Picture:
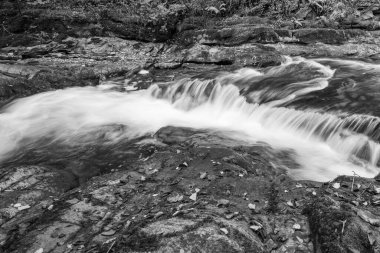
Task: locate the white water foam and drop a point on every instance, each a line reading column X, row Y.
column 325, row 145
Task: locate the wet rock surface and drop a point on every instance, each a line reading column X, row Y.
column 159, row 202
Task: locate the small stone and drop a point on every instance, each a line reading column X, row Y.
column 376, row 189
column 23, row 207
column 50, row 207
column 72, row 201
column 299, row 239
column 297, row 226
column 178, row 151
column 143, row 178
column 40, row 250
column 251, row 206
column 115, row 182
column 255, row 227
column 299, row 185
column 109, row 232
column 17, row 205
column 230, row 216
column 224, row 230
column 223, row 202
column 336, row 185
column 203, row 175
column 193, row 196
column 290, row 203
column 143, row 72
column 159, row 214
column 241, row 175
column 314, row 193
column 286, row 191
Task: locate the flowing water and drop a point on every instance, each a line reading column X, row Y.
column 325, row 111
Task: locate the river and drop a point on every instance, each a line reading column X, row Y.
column 324, row 112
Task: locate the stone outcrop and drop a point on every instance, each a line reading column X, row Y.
column 202, row 192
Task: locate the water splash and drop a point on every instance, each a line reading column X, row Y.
column 325, row 144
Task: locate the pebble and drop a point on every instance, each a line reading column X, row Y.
column 224, row 230
column 230, row 216
column 23, row 207
column 290, row 203
column 159, row 214
column 143, row 72
column 336, row 185
column 175, row 198
column 203, row 175
column 255, row 227
column 194, row 195
column 40, row 250
column 251, row 206
column 223, row 202
column 297, row 226
column 72, row 201
column 109, row 232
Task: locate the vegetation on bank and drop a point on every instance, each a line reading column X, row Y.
column 333, row 10
column 158, row 20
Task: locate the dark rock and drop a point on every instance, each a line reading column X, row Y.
column 230, row 36
column 327, row 36
column 251, row 55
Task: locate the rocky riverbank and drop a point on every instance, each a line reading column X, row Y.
column 185, row 191
column 180, row 190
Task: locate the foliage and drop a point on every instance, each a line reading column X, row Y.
column 334, row 10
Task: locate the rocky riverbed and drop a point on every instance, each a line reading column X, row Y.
column 180, row 190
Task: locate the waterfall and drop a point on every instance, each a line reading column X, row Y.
column 249, row 102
